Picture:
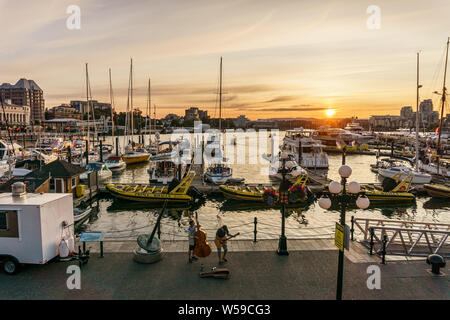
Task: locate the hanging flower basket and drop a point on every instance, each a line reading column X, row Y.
column 296, row 193
column 270, row 196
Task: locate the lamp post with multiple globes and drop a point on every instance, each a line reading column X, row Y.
column 343, row 195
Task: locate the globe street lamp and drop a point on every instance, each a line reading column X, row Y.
column 284, row 187
column 338, row 192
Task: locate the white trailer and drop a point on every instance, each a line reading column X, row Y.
column 32, row 226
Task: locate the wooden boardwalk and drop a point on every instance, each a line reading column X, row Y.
column 357, row 253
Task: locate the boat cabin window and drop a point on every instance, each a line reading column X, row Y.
column 73, row 182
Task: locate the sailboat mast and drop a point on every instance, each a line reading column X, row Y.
column 220, row 97
column 131, row 101
column 417, row 115
column 154, row 117
column 149, row 111
column 87, row 102
column 444, row 93
column 111, row 98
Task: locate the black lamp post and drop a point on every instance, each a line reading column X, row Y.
column 340, row 195
column 284, row 187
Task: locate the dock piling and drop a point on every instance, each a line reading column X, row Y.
column 383, row 251
column 372, row 234
column 255, row 222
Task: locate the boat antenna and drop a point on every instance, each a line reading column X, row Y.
column 444, row 94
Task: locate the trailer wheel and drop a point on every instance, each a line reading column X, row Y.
column 11, row 265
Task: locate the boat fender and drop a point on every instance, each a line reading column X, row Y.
column 71, row 244
column 63, row 249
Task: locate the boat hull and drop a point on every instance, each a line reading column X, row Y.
column 217, row 178
column 417, row 179
column 135, row 159
column 148, row 197
column 437, row 191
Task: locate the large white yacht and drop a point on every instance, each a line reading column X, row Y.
column 307, row 152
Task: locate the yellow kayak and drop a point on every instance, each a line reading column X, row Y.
column 135, row 157
column 255, row 193
column 149, row 193
column 437, row 190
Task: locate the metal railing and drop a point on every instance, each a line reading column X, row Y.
column 403, row 237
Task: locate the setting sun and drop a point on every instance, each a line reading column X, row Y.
column 330, row 112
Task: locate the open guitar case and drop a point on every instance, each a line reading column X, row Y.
column 218, row 273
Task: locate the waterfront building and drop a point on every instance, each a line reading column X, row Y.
column 25, row 93
column 63, row 111
column 64, row 176
column 14, row 114
column 195, row 113
column 82, row 106
column 406, row 112
column 241, row 121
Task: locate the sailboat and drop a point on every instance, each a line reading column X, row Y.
column 439, row 169
column 152, row 146
column 114, row 162
column 440, row 190
column 403, row 171
column 218, row 172
column 133, row 156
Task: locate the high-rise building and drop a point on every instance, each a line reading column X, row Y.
column 426, row 106
column 25, row 93
column 406, row 112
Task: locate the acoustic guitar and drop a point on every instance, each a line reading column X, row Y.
column 202, row 248
column 220, row 242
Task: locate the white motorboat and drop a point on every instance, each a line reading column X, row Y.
column 81, row 214
column 102, row 169
column 218, row 174
column 292, row 168
column 401, row 172
column 431, row 168
column 163, row 171
column 115, row 163
column 307, row 152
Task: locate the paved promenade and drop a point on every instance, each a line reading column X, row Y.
column 309, row 272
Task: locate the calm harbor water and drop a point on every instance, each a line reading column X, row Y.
column 124, row 220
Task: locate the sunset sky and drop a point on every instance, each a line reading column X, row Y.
column 281, row 58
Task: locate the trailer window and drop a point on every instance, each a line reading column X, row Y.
column 3, row 221
column 9, row 224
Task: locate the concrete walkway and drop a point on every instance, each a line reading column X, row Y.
column 257, row 274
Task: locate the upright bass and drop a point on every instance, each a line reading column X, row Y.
column 202, row 248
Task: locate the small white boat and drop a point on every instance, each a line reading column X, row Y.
column 163, row 171
column 115, row 163
column 402, row 172
column 80, row 214
column 102, row 169
column 218, row 174
column 292, row 168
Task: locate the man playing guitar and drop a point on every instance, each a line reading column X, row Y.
column 222, row 235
